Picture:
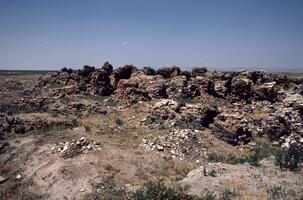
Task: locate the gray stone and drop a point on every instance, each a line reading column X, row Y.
column 3, row 179
column 3, row 144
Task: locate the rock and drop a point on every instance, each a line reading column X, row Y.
column 240, row 136
column 18, row 177
column 77, row 105
column 107, row 68
column 122, row 84
column 3, row 144
column 74, row 147
column 100, row 76
column 128, row 91
column 181, row 144
column 66, row 70
column 199, row 71
column 221, row 88
column 283, row 121
column 178, row 81
column 157, row 89
column 241, row 87
column 165, row 102
column 169, row 113
column 134, row 95
column 19, row 126
column 293, row 100
column 266, row 91
column 169, row 72
column 123, row 72
column 187, row 74
column 201, row 85
column 86, row 71
column 148, row 71
column 3, row 179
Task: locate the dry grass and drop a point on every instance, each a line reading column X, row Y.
column 29, row 77
column 260, row 116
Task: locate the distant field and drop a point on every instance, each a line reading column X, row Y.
column 23, row 72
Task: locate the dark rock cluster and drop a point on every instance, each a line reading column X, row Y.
column 236, row 106
column 169, row 82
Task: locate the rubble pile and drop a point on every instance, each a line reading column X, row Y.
column 130, row 85
column 169, row 113
column 235, row 106
column 87, row 80
column 239, row 135
column 77, row 108
column 293, row 139
column 37, row 103
column 75, row 147
column 3, row 145
column 19, row 125
column 282, row 121
column 128, row 91
column 179, row 144
column 169, row 72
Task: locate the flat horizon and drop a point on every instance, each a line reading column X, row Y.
column 285, row 69
column 233, row 34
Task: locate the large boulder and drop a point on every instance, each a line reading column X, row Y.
column 148, row 71
column 187, row 74
column 220, row 88
column 124, row 72
column 157, row 89
column 266, row 91
column 107, row 68
column 169, row 72
column 258, row 77
column 241, row 135
column 293, row 100
column 125, row 83
column 199, row 71
column 169, row 113
column 100, row 76
column 204, row 85
column 241, row 87
column 86, row 71
column 66, row 70
column 128, row 92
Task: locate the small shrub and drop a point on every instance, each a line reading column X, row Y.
column 259, row 154
column 15, row 189
column 157, row 190
column 207, row 195
column 111, row 103
column 87, row 128
column 279, row 193
column 254, row 159
column 107, row 190
column 190, row 101
column 289, row 158
column 119, row 122
column 228, row 158
column 212, row 173
column 228, row 194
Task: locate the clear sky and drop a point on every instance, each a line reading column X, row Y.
column 219, row 34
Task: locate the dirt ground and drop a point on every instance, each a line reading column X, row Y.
column 121, row 159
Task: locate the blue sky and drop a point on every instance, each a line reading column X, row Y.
column 219, row 34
